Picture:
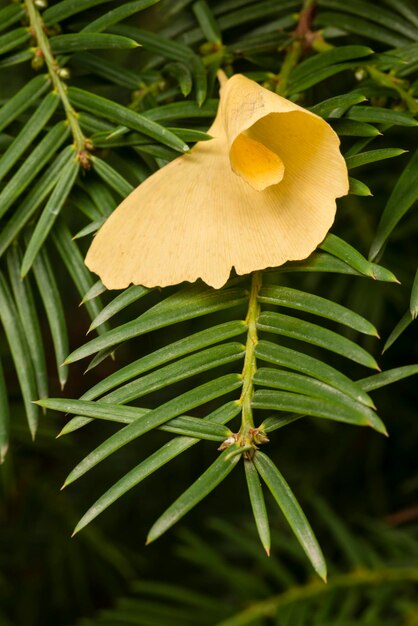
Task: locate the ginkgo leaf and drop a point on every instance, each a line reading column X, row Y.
column 248, row 199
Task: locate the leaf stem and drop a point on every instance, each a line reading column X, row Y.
column 303, row 37
column 36, row 23
column 250, row 365
column 358, row 578
column 391, row 81
column 290, row 61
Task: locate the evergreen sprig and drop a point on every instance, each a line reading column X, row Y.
column 86, row 127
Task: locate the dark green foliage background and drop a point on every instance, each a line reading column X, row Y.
column 358, row 489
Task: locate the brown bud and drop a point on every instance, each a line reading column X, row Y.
column 259, row 436
column 84, row 159
column 228, row 442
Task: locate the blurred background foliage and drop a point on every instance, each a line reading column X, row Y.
column 358, row 488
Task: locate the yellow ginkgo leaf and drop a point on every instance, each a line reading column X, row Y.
column 260, row 193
